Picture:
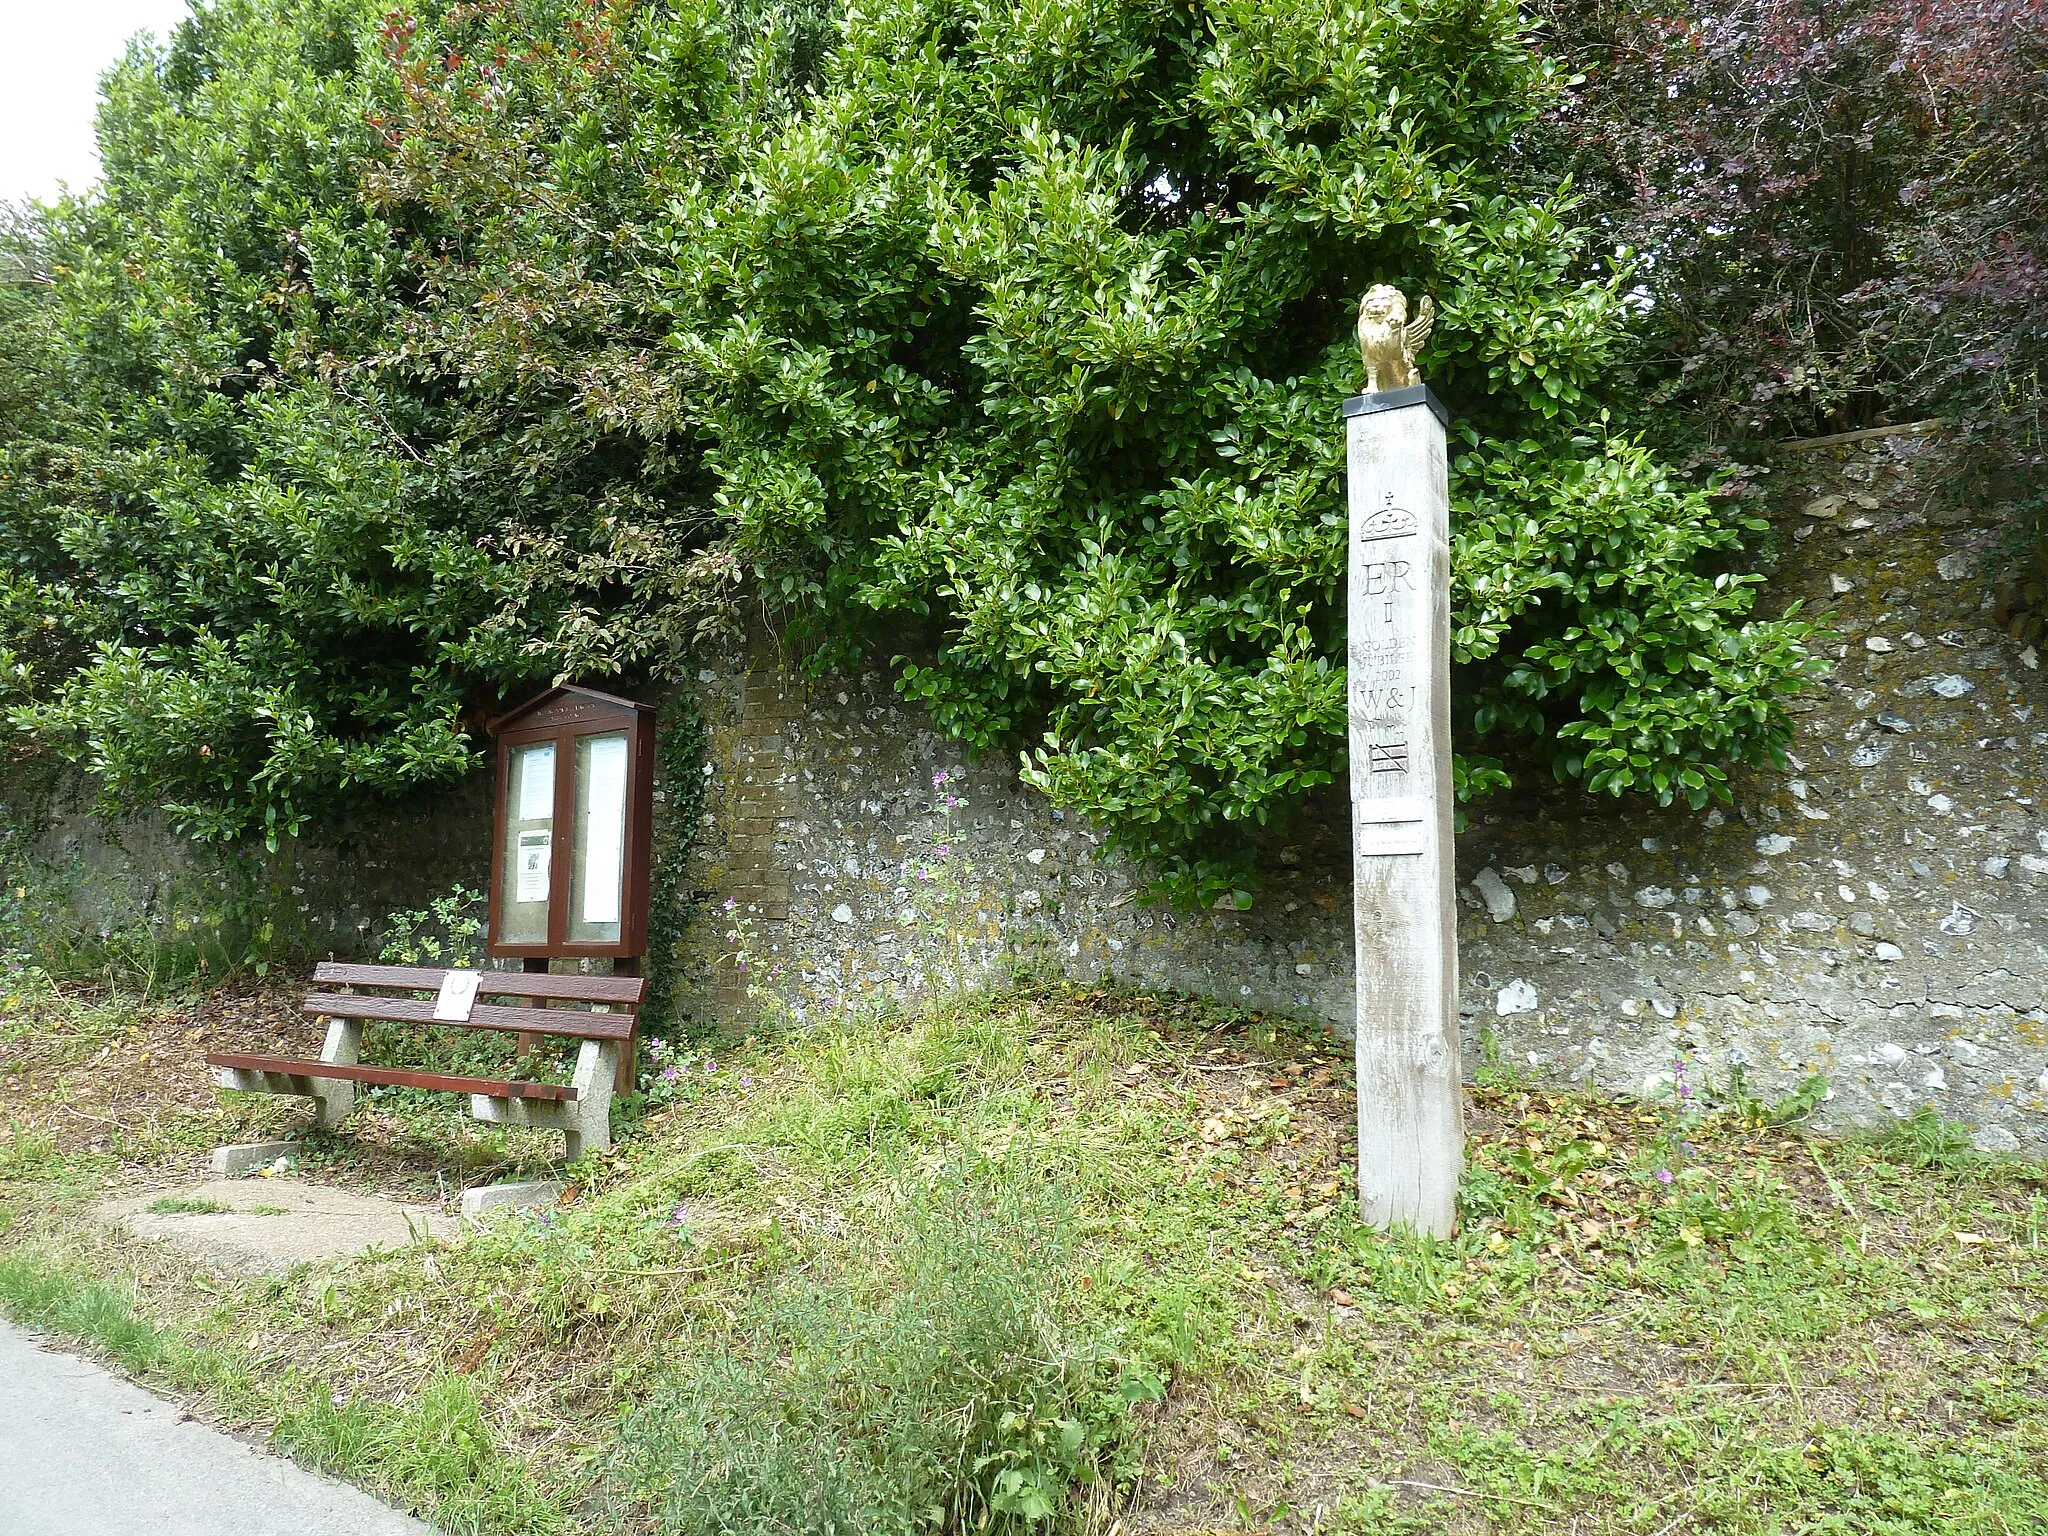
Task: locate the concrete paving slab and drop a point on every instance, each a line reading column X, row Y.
column 246, row 1157
column 81, row 1451
column 265, row 1226
column 500, row 1199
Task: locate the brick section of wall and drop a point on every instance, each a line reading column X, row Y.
column 753, row 778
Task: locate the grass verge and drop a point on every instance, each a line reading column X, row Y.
column 1086, row 1262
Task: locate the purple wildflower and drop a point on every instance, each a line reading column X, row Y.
column 945, row 849
column 1663, row 1175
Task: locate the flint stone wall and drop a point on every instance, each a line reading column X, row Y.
column 319, row 894
column 1878, row 913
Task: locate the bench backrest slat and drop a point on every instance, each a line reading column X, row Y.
column 577, row 1023
column 626, row 991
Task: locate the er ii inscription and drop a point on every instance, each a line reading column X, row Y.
column 1388, row 683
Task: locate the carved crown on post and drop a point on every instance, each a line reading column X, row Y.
column 1388, row 338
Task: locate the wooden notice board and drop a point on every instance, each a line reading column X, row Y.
column 572, row 827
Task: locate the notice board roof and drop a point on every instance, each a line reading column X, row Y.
column 568, row 704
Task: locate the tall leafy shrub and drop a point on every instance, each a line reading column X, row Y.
column 1025, row 325
column 1030, row 323
column 283, row 561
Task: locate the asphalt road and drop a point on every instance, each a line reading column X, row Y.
column 84, row 1453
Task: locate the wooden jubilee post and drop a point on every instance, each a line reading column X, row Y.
column 1411, row 1128
column 573, row 833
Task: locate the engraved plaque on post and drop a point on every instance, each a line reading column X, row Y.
column 1389, row 683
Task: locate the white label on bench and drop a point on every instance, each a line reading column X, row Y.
column 458, row 996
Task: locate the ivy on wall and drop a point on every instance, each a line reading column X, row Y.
column 680, row 741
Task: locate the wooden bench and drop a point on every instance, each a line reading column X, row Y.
column 600, row 1011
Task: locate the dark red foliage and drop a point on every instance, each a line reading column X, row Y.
column 1840, row 208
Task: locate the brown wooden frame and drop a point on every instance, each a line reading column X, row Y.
column 355, row 1072
column 561, row 715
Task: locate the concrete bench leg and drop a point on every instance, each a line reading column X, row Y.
column 333, row 1100
column 585, row 1121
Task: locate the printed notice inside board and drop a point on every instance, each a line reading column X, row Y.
column 604, row 833
column 531, row 883
column 537, row 783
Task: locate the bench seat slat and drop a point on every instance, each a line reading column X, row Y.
column 626, row 990
column 576, row 1023
column 395, row 1077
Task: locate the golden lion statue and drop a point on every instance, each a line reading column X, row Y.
column 1388, row 338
